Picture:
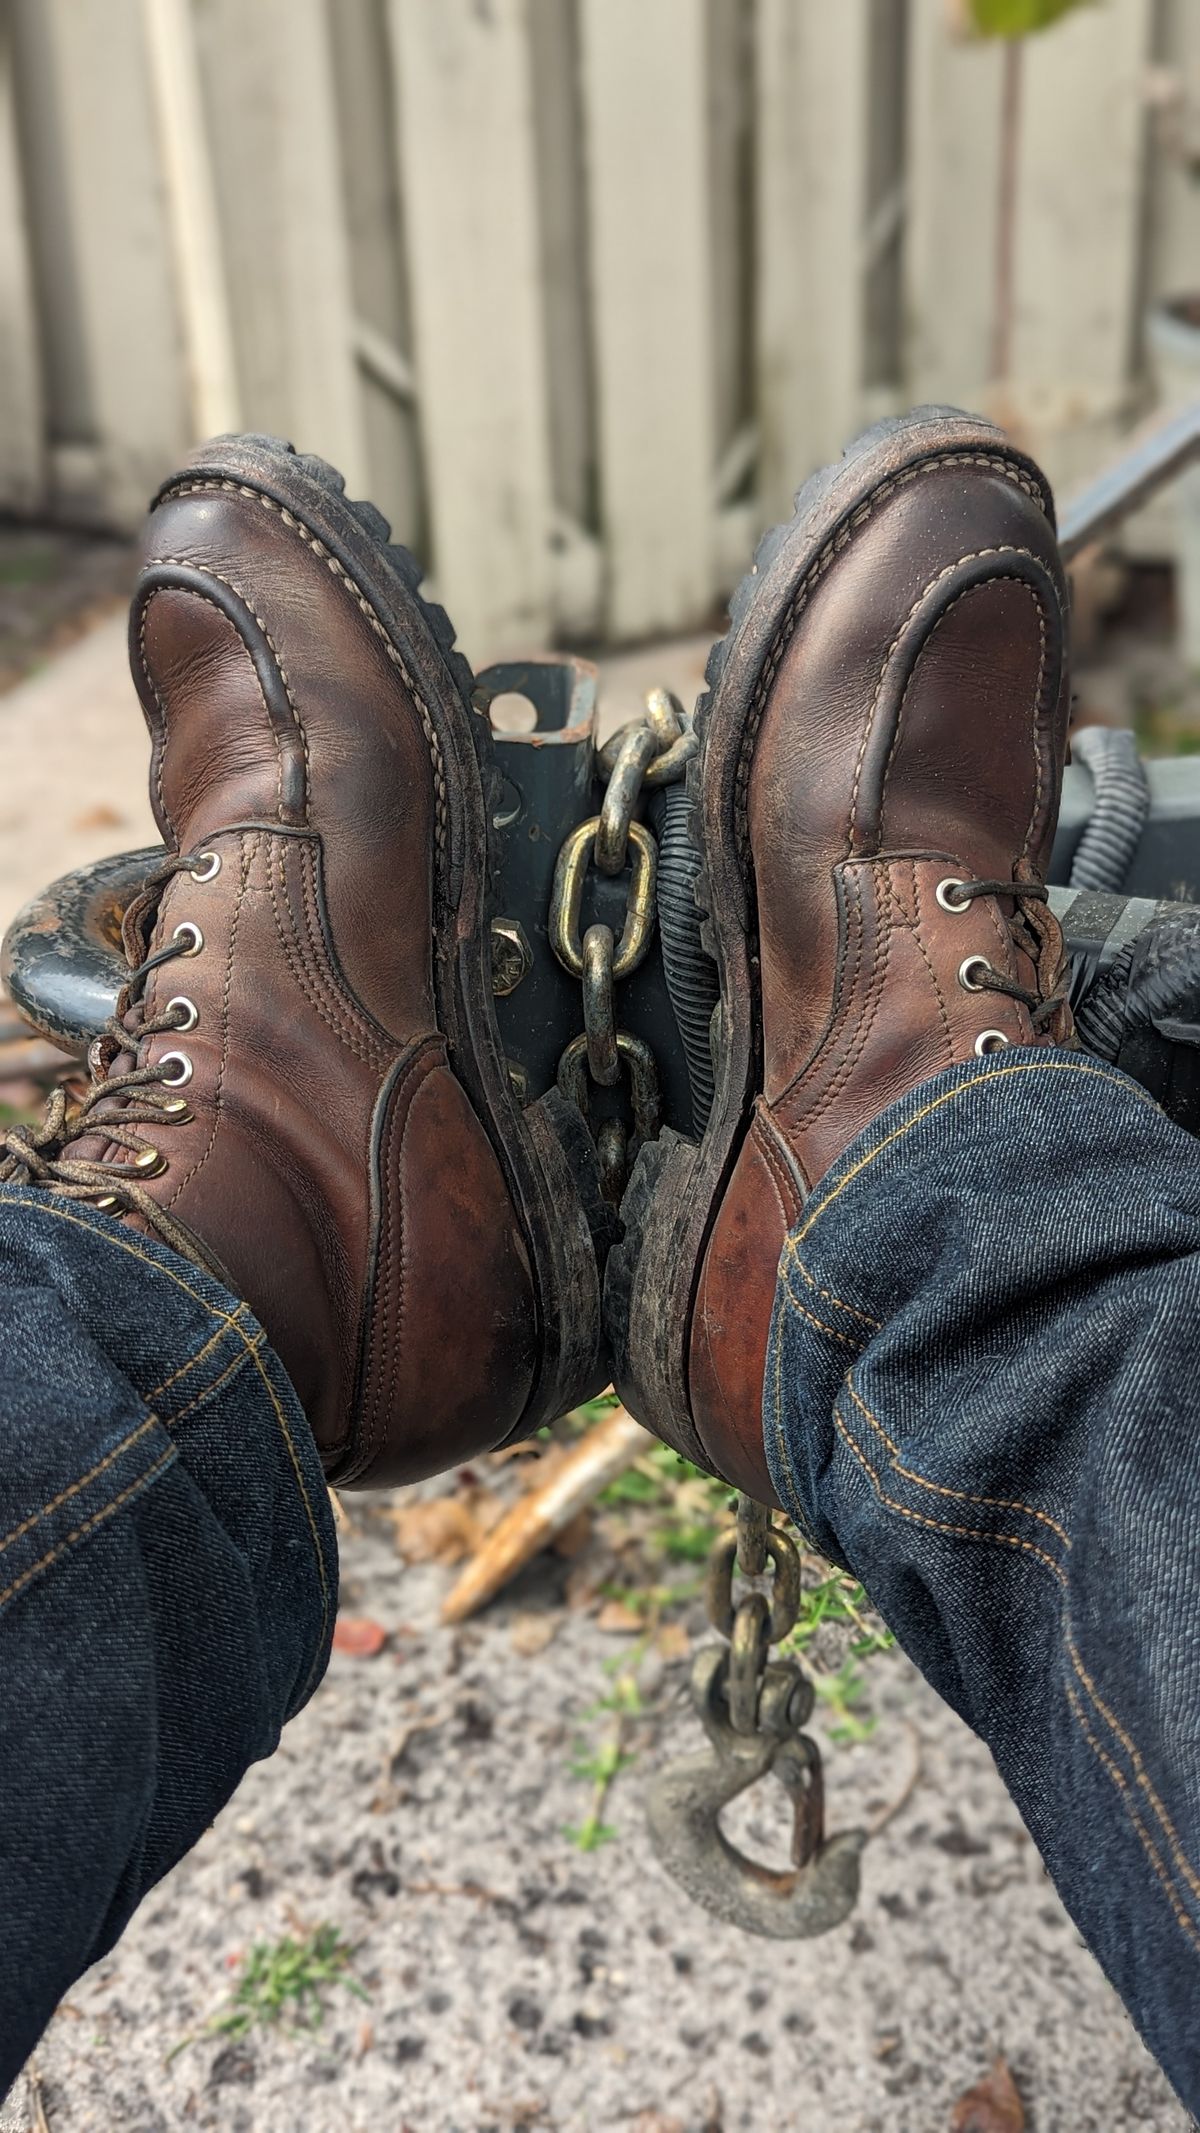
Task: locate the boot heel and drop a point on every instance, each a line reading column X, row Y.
column 648, row 1288
column 567, row 1231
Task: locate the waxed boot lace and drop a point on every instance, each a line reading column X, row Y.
column 983, row 976
column 40, row 1154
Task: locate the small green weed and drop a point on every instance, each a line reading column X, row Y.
column 28, row 566
column 287, row 1977
column 839, row 1602
column 601, row 1765
column 691, row 1504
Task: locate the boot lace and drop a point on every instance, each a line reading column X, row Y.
column 116, row 1103
column 976, row 974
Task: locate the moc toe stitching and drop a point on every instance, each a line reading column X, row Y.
column 297, row 526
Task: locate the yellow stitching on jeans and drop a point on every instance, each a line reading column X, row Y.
column 1121, row 1783
column 977, row 1081
column 1142, row 1775
column 59, row 1214
column 846, row 1339
column 198, row 1398
column 827, row 1295
column 777, row 1371
column 56, row 1502
column 214, row 1341
column 995, row 1503
column 1012, row 1540
column 937, row 1525
column 97, row 1519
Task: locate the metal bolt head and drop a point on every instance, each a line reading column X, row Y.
column 512, row 956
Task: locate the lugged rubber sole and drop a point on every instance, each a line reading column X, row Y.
column 354, row 539
column 677, row 1186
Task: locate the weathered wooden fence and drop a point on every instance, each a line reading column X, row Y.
column 578, row 289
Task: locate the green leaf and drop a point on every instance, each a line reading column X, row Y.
column 589, row 1835
column 1018, row 18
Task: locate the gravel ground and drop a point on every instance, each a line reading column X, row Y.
column 420, row 1804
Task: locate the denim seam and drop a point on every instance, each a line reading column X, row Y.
column 122, row 1243
column 64, row 1496
column 214, row 1340
column 1121, row 1785
column 938, row 1525
column 777, row 1371
column 88, row 1525
column 827, row 1295
column 834, row 1332
column 238, row 1363
column 1012, row 1540
column 1141, row 1775
column 940, row 1488
column 963, row 1088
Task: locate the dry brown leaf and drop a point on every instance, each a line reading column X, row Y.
column 993, row 2106
column 531, row 1633
column 358, row 1636
column 574, row 1538
column 672, row 1642
column 439, row 1532
column 486, row 1510
column 100, row 817
column 617, row 1620
column 588, row 1577
column 552, row 1461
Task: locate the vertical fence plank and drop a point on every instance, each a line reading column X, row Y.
column 22, row 459
column 378, row 265
column 271, row 108
column 1173, row 238
column 464, row 90
column 1080, row 192
column 192, row 208
column 98, row 205
column 644, row 91
column 955, row 94
column 812, row 96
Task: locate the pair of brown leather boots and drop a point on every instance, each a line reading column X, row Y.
column 303, row 1087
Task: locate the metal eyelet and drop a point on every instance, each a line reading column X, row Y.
column 207, row 867
column 189, row 926
column 106, row 1202
column 150, row 1163
column 968, row 964
column 175, row 1107
column 191, row 1013
column 948, row 902
column 186, row 1070
column 990, row 1040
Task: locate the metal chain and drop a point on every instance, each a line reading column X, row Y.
column 759, row 1619
column 651, row 751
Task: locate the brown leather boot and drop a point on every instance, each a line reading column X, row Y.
column 305, row 1090
column 876, row 793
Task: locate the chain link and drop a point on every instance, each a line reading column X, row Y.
column 758, row 1620
column 650, row 751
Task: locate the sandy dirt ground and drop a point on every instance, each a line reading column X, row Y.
column 421, row 1805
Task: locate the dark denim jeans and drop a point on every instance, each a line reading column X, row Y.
column 983, row 1396
column 168, row 1579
